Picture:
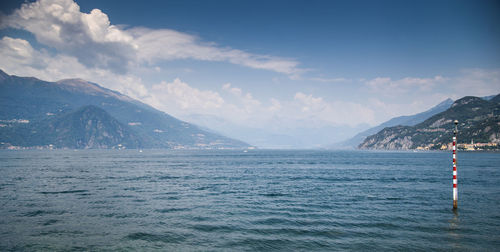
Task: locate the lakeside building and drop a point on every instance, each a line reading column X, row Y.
column 468, row 147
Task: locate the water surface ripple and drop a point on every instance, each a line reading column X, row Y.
column 256, row 200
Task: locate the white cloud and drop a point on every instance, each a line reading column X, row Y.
column 406, row 96
column 246, row 99
column 331, row 80
column 232, row 90
column 20, row 58
column 477, row 82
column 89, row 46
column 165, row 44
column 184, row 97
column 387, row 110
column 310, row 103
column 88, row 37
column 178, row 97
column 17, row 51
column 182, row 100
column 275, row 106
column 96, row 43
column 240, row 108
column 388, row 86
column 410, row 95
column 321, row 112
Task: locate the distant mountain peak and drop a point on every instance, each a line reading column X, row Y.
column 496, row 99
column 75, row 113
column 3, row 75
column 73, row 81
column 467, row 100
column 479, row 121
column 87, row 87
column 447, row 101
column 400, row 120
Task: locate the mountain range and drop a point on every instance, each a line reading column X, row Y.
column 479, row 121
column 409, row 120
column 74, row 113
column 278, row 134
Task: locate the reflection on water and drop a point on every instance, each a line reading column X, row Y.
column 454, row 228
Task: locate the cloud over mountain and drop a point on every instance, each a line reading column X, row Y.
column 256, row 76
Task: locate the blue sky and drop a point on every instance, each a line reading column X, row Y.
column 282, row 66
column 337, row 37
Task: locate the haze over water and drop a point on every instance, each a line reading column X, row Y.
column 255, row 200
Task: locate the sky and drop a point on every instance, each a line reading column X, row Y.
column 281, row 67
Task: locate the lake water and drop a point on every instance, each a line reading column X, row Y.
column 255, row 200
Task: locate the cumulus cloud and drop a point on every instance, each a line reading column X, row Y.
column 233, row 90
column 184, row 97
column 87, row 36
column 20, row 58
column 319, row 111
column 89, row 46
column 96, row 43
column 17, row 51
column 245, row 101
column 309, row 102
column 182, row 100
column 240, row 107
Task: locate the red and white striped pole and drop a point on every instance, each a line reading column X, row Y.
column 455, row 189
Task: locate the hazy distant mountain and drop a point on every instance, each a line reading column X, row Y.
column 279, row 136
column 401, row 120
column 479, row 120
column 489, row 97
column 29, row 102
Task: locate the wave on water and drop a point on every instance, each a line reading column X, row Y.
column 260, row 201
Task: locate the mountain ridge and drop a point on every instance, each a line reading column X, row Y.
column 88, row 127
column 479, row 121
column 406, row 120
column 35, row 100
column 91, row 88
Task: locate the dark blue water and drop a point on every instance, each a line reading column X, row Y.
column 259, row 200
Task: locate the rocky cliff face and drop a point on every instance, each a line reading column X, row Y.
column 479, row 120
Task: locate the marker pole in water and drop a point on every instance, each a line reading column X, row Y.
column 455, row 189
